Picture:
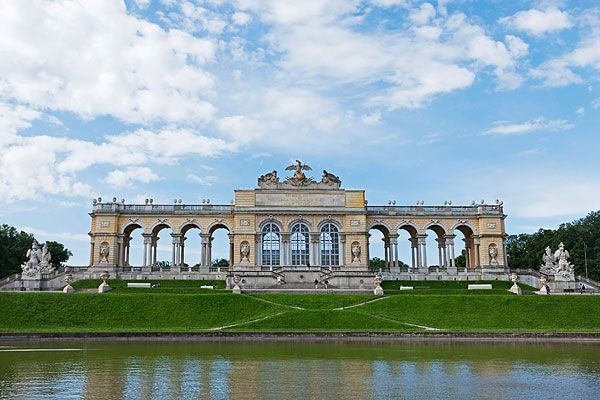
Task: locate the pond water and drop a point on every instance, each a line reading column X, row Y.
column 298, row 370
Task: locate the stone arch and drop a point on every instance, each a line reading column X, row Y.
column 268, row 220
column 218, row 225
column 381, row 226
column 300, row 220
column 187, row 225
column 461, row 224
column 438, row 227
column 130, row 226
column 159, row 225
column 408, row 226
column 334, row 221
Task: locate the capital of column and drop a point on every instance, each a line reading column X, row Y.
column 421, row 239
column 475, row 239
column 147, row 238
column 315, row 237
column 285, row 237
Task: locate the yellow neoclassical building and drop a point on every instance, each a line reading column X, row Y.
column 296, row 230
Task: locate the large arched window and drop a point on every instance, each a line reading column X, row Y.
column 299, row 241
column 270, row 245
column 330, row 245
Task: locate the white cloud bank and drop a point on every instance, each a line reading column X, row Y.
column 539, row 22
column 92, row 58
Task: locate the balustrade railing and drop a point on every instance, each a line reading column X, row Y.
column 484, row 209
column 105, row 208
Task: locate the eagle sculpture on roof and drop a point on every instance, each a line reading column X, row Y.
column 298, row 168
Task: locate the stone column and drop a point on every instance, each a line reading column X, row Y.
column 315, row 240
column 393, row 245
column 476, row 243
column 204, row 240
column 440, row 255
column 422, row 250
column 231, row 250
column 450, row 262
column 285, row 250
column 386, row 252
column 367, row 252
column 342, row 249
column 127, row 251
column 147, row 248
column 413, row 252
column 92, row 253
column 182, row 250
column 258, row 249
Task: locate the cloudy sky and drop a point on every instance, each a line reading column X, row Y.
column 450, row 100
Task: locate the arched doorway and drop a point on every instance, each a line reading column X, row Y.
column 468, row 257
column 191, row 254
column 159, row 255
column 218, row 248
column 408, row 252
column 379, row 257
column 437, row 254
column 132, row 254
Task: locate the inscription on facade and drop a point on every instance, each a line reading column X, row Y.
column 301, row 199
column 491, row 225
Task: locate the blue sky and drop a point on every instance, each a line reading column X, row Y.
column 409, row 100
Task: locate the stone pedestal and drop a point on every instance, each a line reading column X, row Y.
column 542, row 290
column 378, row 290
column 237, row 290
column 516, row 289
column 104, row 287
column 68, row 289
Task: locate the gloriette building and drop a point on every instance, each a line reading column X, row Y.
column 294, row 230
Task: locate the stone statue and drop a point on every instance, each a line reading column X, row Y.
column 548, row 259
column 562, row 257
column 244, row 250
column 330, row 179
column 299, row 179
column 104, row 252
column 493, row 252
column 269, row 178
column 104, row 287
column 355, row 252
column 558, row 264
column 38, row 260
column 377, row 281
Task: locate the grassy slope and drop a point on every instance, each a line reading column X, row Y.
column 80, row 312
column 174, row 309
column 484, row 313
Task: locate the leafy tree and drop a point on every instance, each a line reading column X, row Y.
column 376, row 263
column 163, row 264
column 221, row 262
column 13, row 250
column 526, row 250
column 461, row 260
column 60, row 254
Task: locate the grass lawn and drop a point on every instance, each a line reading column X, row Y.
column 180, row 306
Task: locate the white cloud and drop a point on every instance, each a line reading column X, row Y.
column 388, row 3
column 202, row 180
column 36, row 165
column 321, row 43
column 534, row 125
column 13, row 118
column 92, row 58
column 539, row 22
column 241, row 18
column 596, row 103
column 131, row 175
column 580, row 111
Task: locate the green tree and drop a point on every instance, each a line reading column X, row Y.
column 376, row 263
column 60, row 254
column 526, row 250
column 13, row 249
column 220, row 262
column 461, row 260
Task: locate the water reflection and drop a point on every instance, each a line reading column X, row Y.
column 298, row 371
